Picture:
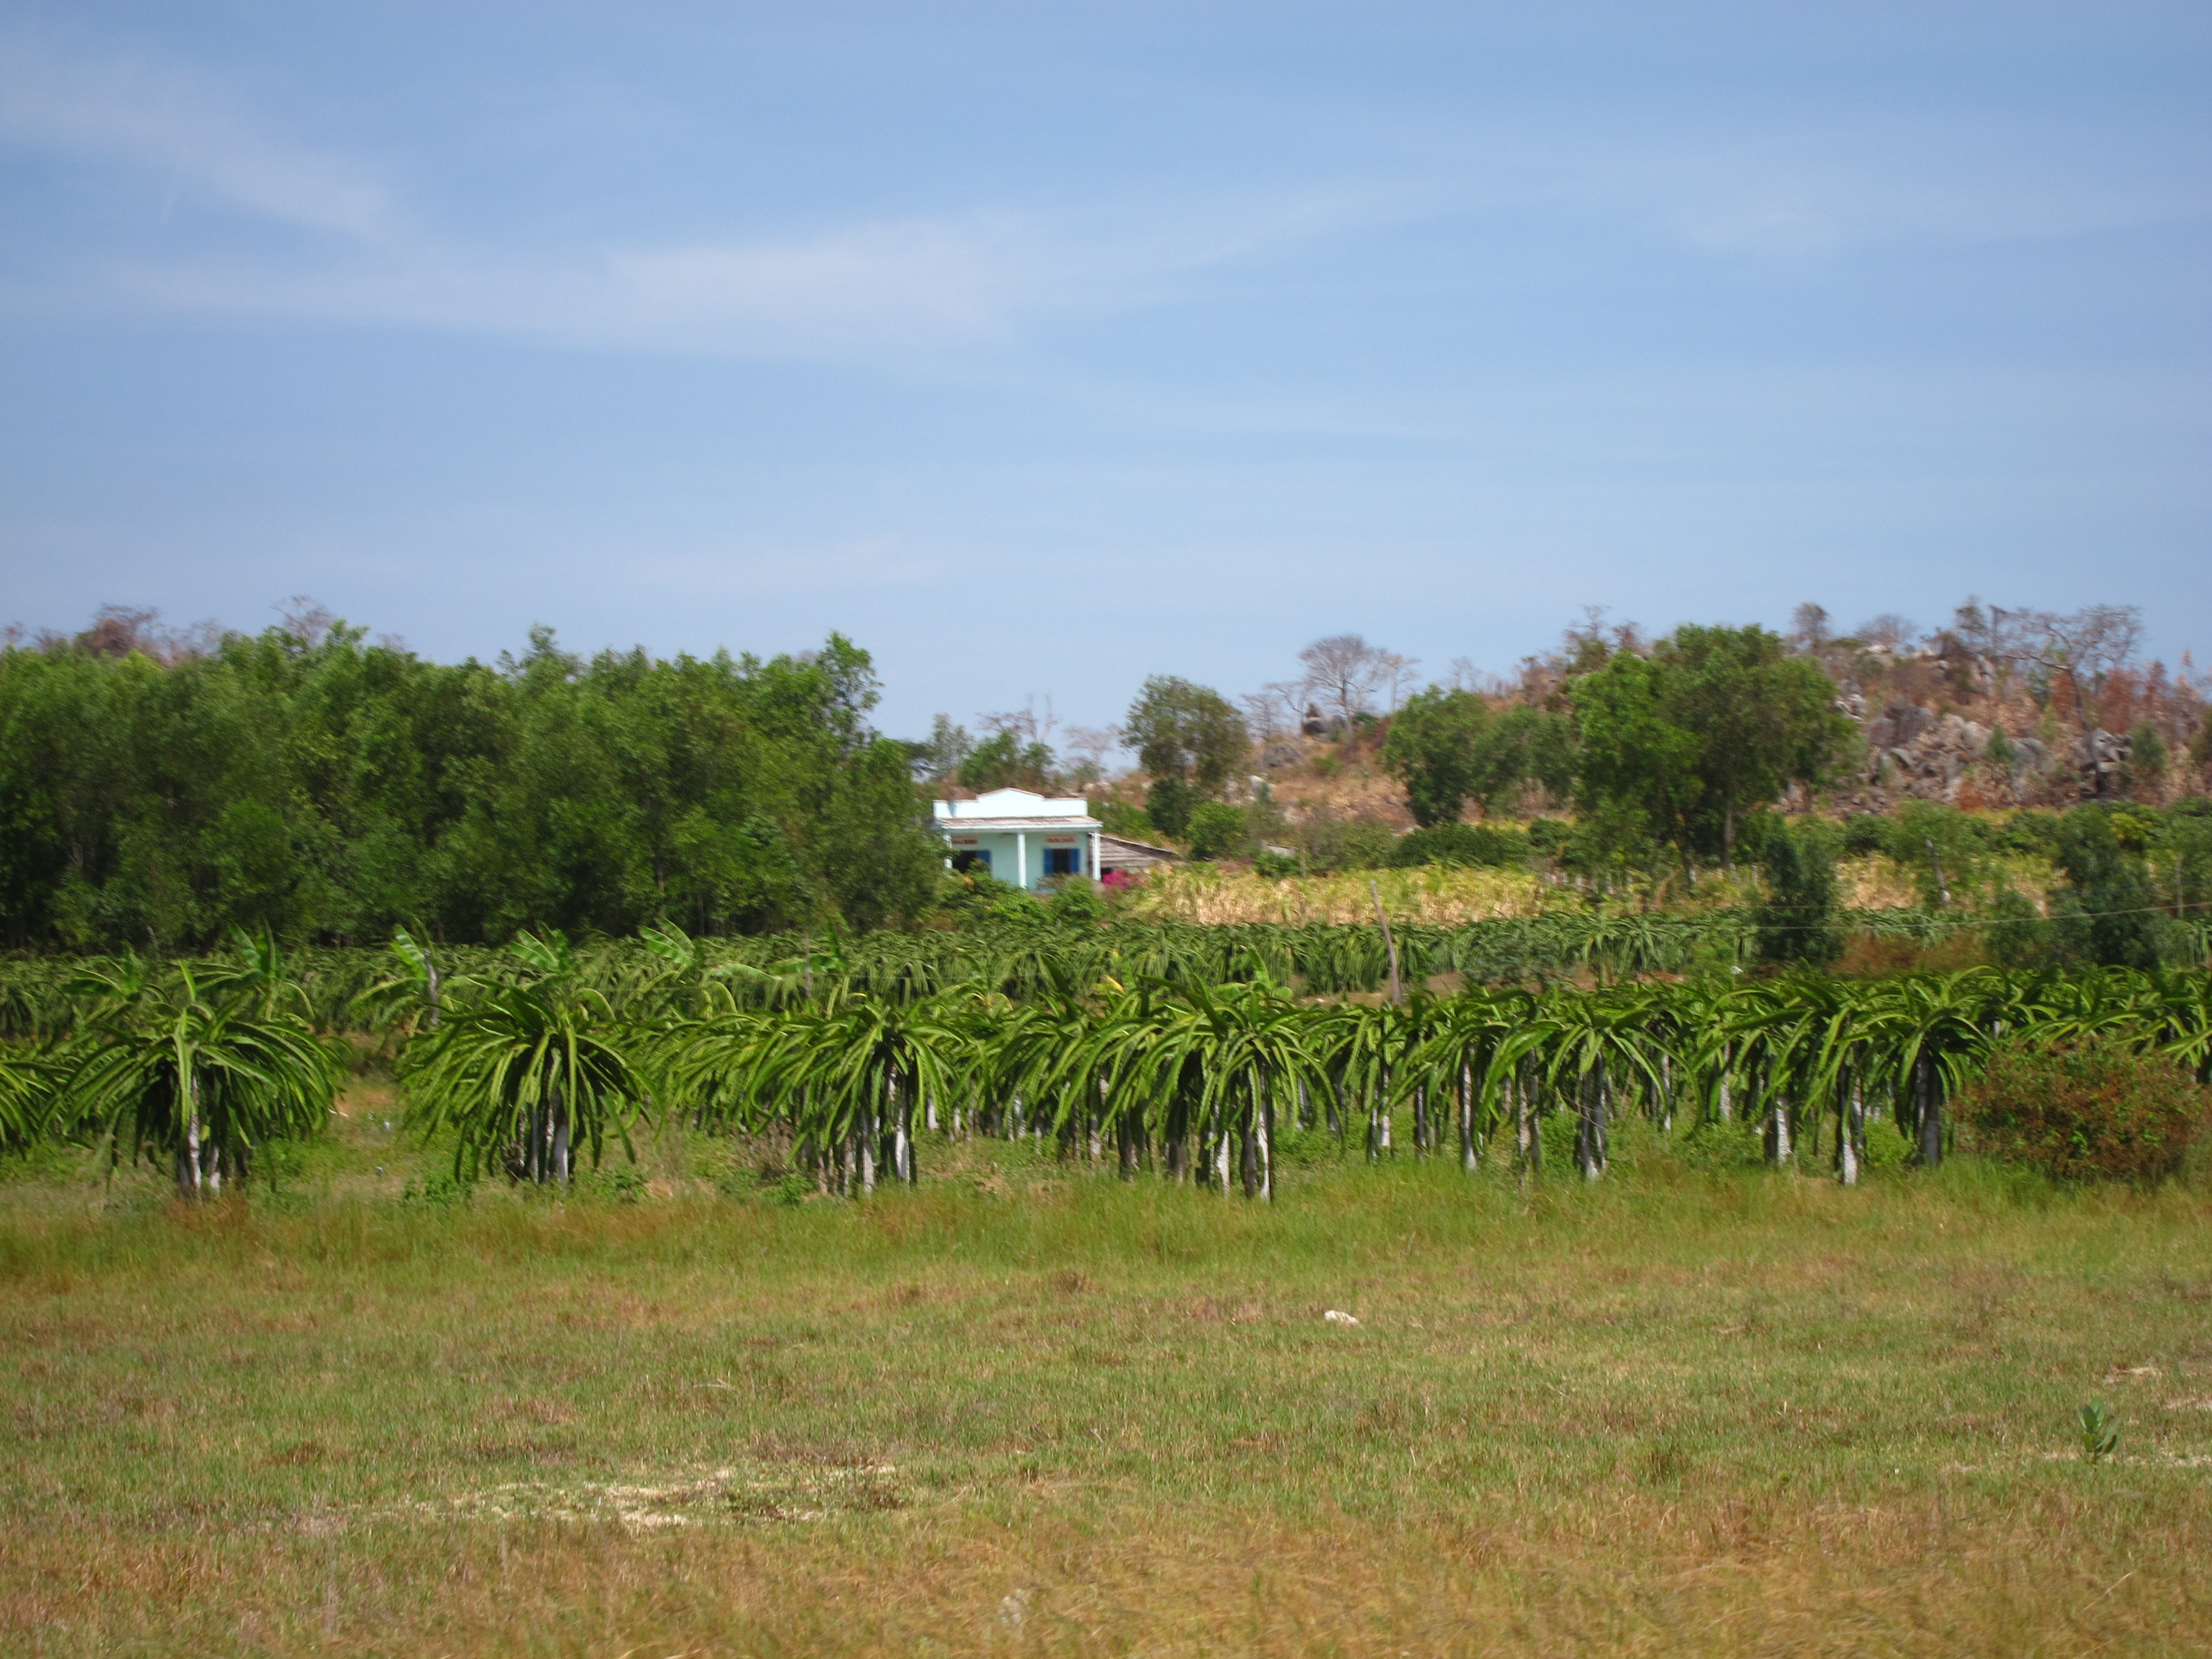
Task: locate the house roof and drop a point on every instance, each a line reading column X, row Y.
column 1125, row 844
column 1013, row 804
column 968, row 826
column 1014, row 809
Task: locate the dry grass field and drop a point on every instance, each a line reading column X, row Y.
column 1028, row 1410
column 1215, row 894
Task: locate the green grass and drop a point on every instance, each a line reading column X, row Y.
column 1026, row 1409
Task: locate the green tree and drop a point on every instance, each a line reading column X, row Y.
column 1432, row 749
column 938, row 758
column 1796, row 918
column 1004, row 762
column 1187, row 737
column 2185, row 857
column 1525, row 746
column 1714, row 722
column 1761, row 718
column 1947, row 852
column 2146, row 763
column 1639, row 781
column 1218, row 830
column 320, row 787
column 1168, row 803
column 2106, row 913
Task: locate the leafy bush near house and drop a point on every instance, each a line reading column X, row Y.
column 1077, row 900
column 1218, row 830
column 1119, row 818
column 2096, row 1109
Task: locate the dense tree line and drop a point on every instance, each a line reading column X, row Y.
column 308, row 784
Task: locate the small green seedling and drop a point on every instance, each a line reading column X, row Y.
column 2100, row 1436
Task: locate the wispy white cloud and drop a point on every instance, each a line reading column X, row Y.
column 160, row 116
column 917, row 284
column 887, row 285
column 926, row 285
column 914, row 286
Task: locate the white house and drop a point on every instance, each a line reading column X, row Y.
column 1019, row 837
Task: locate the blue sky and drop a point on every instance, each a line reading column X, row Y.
column 1042, row 347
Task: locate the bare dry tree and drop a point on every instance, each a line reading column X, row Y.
column 1585, row 646
column 1396, row 673
column 1277, row 706
column 1028, row 722
column 1889, row 632
column 1344, row 671
column 1808, row 628
column 2090, row 645
column 1090, row 745
column 118, row 631
column 306, row 619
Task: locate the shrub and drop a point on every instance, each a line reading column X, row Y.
column 2034, row 833
column 1077, row 901
column 2019, row 936
column 1366, row 845
column 2094, row 1110
column 1335, row 843
column 1477, row 844
column 1119, row 818
column 1218, row 830
column 1862, row 834
column 1549, row 836
column 2146, row 763
column 619, row 1184
column 1168, row 803
column 1796, row 918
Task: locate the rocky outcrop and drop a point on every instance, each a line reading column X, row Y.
column 2098, row 757
column 1912, row 753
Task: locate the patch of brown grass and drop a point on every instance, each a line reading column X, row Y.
column 1672, row 1413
